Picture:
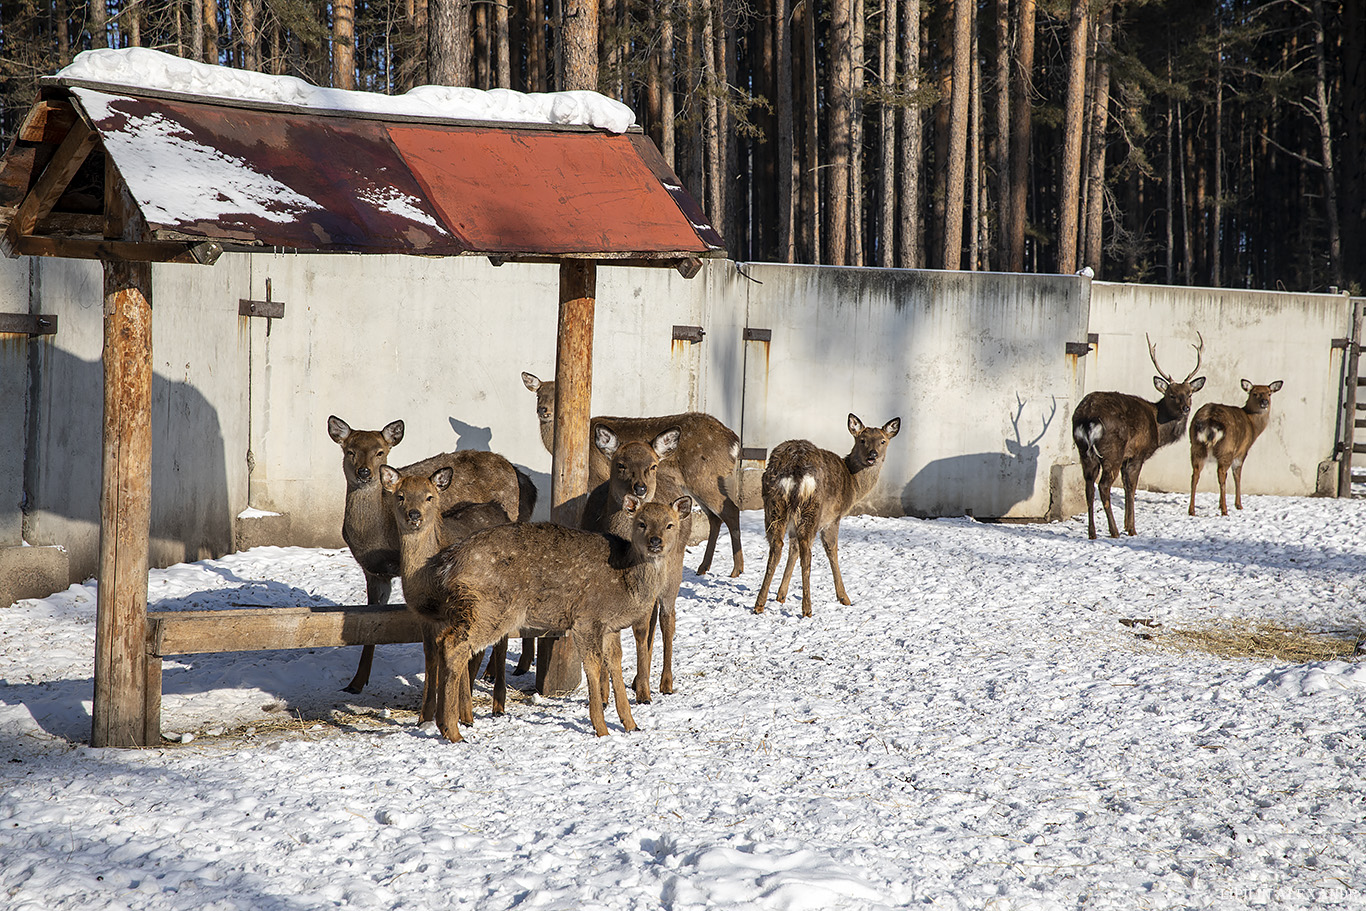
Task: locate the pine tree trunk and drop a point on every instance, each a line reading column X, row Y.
column 251, row 38
column 211, row 31
column 811, row 172
column 1187, row 259
column 99, row 24
column 579, row 37
column 711, row 127
column 838, row 112
column 343, row 44
column 503, row 30
column 1325, row 125
column 856, row 52
column 1069, row 182
column 911, row 138
column 787, row 162
column 959, row 113
column 667, row 111
column 536, row 66
column 1095, row 169
column 1217, row 207
column 1001, row 149
column 1021, row 126
column 448, row 42
column 886, row 225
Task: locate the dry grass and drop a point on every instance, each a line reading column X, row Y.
column 1257, row 639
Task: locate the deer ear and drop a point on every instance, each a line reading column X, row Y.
column 1276, row 386
column 1247, row 385
column 442, row 477
column 393, row 432
column 1197, row 384
column 1161, row 384
column 606, row 441
column 855, row 425
column 529, row 381
column 892, row 427
column 631, row 503
column 389, row 477
column 666, row 442
column 338, row 429
column 683, row 506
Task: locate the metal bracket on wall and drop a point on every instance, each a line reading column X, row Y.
column 28, row 324
column 688, row 333
column 268, row 308
column 753, row 454
column 1081, row 349
column 758, row 335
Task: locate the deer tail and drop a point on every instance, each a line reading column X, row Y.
column 1086, row 433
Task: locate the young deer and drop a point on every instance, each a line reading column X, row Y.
column 1226, row 433
column 368, row 526
column 811, row 490
column 635, row 470
column 704, row 465
column 1116, row 433
column 547, row 576
column 423, row 531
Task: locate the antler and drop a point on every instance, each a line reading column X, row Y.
column 1199, row 349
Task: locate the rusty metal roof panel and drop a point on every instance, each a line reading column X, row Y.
column 327, row 181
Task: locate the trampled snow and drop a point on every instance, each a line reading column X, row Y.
column 150, row 69
column 978, row 730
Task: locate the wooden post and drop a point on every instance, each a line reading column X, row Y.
column 1351, row 373
column 120, row 705
column 569, row 466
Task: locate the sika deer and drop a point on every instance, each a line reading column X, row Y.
column 550, row 577
column 1116, row 433
column 368, row 526
column 1226, row 433
column 635, row 470
column 810, row 490
column 422, row 531
column 704, row 465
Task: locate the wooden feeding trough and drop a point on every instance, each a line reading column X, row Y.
column 133, row 176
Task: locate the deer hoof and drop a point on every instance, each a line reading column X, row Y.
column 758, row 608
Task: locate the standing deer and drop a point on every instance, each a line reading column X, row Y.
column 422, row 531
column 1116, row 433
column 810, row 490
column 547, row 576
column 704, row 465
column 635, row 470
column 368, row 525
column 1226, row 433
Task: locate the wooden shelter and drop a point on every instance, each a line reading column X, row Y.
column 134, row 176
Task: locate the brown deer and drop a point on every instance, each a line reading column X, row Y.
column 635, row 470
column 704, row 465
column 1116, row 433
column 423, row 530
column 368, row 526
column 547, row 576
column 810, row 490
column 1226, row 433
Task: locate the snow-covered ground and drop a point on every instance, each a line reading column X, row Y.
column 978, row 730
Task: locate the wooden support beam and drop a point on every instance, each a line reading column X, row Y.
column 122, row 701
column 569, row 468
column 167, row 251
column 56, row 177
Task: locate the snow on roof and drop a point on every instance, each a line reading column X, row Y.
column 149, row 69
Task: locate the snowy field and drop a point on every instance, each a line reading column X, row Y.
column 979, row 730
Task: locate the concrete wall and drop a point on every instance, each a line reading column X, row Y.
column 14, row 361
column 1258, row 335
column 974, row 364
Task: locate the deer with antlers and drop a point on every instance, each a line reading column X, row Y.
column 1116, row 433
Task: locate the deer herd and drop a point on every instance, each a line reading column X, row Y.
column 456, row 529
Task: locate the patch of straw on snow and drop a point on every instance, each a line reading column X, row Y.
column 1261, row 639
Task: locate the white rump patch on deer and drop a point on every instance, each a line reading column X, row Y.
column 807, row 488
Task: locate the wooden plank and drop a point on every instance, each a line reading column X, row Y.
column 203, row 252
column 48, row 121
column 119, row 713
column 70, row 155
column 1352, row 368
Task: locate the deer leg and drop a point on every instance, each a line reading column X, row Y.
column 613, row 662
column 430, row 685
column 499, row 663
column 730, row 514
column 1197, row 463
column 524, row 660
column 452, row 680
column 830, row 539
column 1129, row 475
column 591, row 657
column 667, row 619
column 1238, row 485
column 794, row 547
column 377, row 591
column 645, row 640
column 804, row 543
column 713, row 532
column 1089, row 477
column 1223, row 481
column 1107, row 481
column 466, row 693
column 775, row 555
column 611, row 647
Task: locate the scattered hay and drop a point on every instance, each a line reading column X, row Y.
column 1259, row 639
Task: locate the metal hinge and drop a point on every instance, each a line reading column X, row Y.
column 1081, row 349
column 688, row 333
column 28, row 323
column 758, row 335
column 267, row 308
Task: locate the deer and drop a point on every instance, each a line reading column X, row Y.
column 549, row 576
column 809, row 490
column 1116, row 433
column 423, row 530
column 635, row 470
column 1226, row 433
column 704, row 465
column 367, row 523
